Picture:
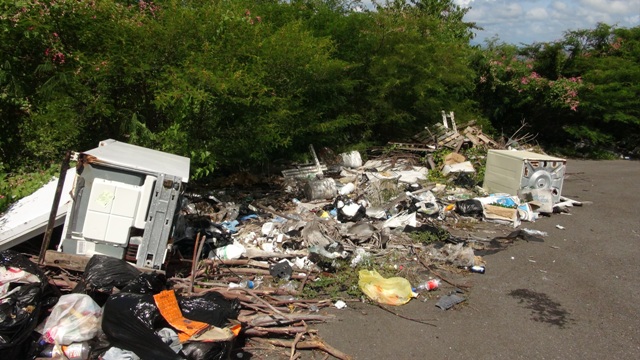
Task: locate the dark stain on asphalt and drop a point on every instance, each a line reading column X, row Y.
column 543, row 308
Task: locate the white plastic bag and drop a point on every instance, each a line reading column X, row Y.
column 75, row 318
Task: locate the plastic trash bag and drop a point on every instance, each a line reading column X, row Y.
column 130, row 321
column 471, row 207
column 391, row 291
column 103, row 273
column 22, row 306
column 75, row 318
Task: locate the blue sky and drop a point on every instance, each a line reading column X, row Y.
column 528, row 21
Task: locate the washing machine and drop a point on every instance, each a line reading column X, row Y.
column 510, row 171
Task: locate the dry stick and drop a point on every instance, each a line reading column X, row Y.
column 307, row 345
column 194, row 263
column 262, row 331
column 251, row 292
column 217, row 262
column 266, row 321
column 203, row 240
column 295, row 342
column 259, row 307
column 408, row 318
column 254, row 272
column 303, row 282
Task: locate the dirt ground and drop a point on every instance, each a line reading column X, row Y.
column 574, row 296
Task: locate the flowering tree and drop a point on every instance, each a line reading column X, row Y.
column 515, row 87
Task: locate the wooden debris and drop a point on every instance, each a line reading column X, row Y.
column 313, row 344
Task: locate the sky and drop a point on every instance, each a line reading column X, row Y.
column 528, row 21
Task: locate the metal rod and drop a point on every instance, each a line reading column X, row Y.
column 54, row 207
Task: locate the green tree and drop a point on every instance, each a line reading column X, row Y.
column 608, row 60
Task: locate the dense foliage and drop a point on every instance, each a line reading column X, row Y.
column 581, row 94
column 235, row 84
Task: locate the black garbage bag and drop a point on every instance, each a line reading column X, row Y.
column 211, row 308
column 23, row 307
column 471, row 207
column 146, row 283
column 188, row 228
column 102, row 274
column 130, row 321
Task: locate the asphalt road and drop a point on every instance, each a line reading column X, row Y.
column 574, row 296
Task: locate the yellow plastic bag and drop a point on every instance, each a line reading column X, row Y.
column 391, row 291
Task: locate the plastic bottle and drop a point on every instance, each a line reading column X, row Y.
column 248, row 284
column 244, row 284
column 74, row 351
column 428, row 285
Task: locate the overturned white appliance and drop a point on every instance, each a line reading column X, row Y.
column 123, row 203
column 510, row 171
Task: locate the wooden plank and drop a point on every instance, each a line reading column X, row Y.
column 487, row 139
column 77, row 262
column 66, row 261
column 459, row 145
column 474, row 139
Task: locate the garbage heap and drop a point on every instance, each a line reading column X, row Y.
column 255, row 267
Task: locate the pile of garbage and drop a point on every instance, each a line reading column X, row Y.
column 113, row 312
column 252, row 267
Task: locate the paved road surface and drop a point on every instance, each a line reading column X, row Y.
column 575, row 296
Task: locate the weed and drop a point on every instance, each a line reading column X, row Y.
column 429, row 237
column 337, row 285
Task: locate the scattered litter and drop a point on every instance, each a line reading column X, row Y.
column 448, row 301
column 560, row 227
column 391, row 291
column 535, row 232
column 237, row 247
column 429, row 285
column 340, row 304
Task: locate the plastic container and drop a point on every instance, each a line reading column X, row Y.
column 244, row 284
column 320, row 189
column 347, row 189
column 74, row 351
column 428, row 285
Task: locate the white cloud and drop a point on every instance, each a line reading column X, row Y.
column 463, row 3
column 612, row 6
column 559, row 6
column 528, row 21
column 537, row 14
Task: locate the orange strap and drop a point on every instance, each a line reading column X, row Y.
column 168, row 306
